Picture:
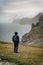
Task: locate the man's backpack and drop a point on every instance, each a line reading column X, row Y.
column 15, row 38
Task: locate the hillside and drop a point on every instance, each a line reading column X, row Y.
column 36, row 33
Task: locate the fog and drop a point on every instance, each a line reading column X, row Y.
column 12, row 10
column 7, row 31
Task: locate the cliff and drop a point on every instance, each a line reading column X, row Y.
column 36, row 33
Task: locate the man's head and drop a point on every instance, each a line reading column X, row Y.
column 16, row 33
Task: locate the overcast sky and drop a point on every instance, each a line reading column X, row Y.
column 12, row 10
column 17, row 9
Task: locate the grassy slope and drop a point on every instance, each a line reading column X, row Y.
column 28, row 55
column 37, row 30
column 37, row 33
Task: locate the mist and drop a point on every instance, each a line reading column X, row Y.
column 7, row 31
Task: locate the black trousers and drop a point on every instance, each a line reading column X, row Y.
column 16, row 47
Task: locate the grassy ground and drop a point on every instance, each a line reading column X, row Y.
column 28, row 55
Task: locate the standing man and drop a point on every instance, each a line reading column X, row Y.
column 15, row 40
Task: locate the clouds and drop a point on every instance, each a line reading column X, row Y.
column 16, row 9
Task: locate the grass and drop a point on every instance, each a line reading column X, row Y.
column 28, row 54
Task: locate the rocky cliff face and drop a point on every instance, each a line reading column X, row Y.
column 36, row 34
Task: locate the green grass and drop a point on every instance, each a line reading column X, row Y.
column 28, row 54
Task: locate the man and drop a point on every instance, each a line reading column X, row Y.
column 15, row 40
